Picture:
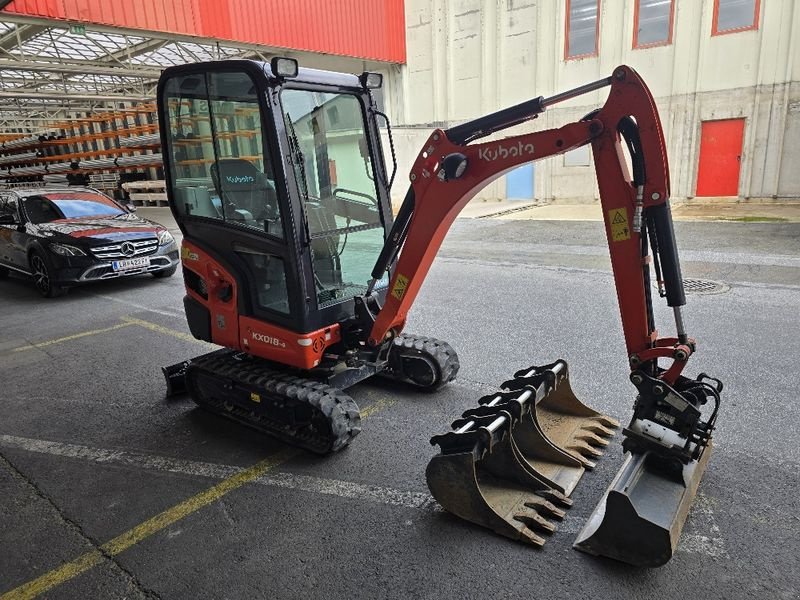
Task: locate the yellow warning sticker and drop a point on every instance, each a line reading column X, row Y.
column 255, row 397
column 399, row 287
column 187, row 254
column 620, row 230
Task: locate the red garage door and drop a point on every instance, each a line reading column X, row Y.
column 720, row 158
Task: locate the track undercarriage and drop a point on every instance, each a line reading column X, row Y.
column 306, row 409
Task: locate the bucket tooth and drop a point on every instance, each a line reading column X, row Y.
column 594, row 427
column 556, row 498
column 640, row 518
column 594, row 440
column 532, row 518
column 585, row 449
column 547, row 509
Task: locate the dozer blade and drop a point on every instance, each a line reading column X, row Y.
column 175, row 377
column 639, row 520
column 479, row 477
column 566, row 422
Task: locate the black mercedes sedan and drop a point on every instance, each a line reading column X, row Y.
column 68, row 236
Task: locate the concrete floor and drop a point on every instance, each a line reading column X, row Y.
column 108, row 490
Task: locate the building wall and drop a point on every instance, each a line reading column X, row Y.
column 467, row 58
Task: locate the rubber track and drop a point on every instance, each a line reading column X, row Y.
column 339, row 409
column 440, row 352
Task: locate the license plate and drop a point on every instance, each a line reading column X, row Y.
column 131, row 263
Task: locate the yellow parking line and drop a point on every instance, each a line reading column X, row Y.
column 74, row 336
column 187, row 337
column 155, row 524
column 144, row 530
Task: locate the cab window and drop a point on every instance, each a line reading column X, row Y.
column 220, row 167
column 336, row 177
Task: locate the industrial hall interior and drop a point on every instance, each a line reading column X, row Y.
column 399, row 299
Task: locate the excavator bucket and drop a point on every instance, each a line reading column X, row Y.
column 640, row 518
column 500, row 469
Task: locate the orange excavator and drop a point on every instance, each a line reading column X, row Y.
column 295, row 265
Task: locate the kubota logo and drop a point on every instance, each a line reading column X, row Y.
column 500, row 151
column 268, row 339
column 240, row 178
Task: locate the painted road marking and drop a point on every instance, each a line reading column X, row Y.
column 152, row 526
column 68, row 338
column 144, row 530
column 187, row 337
column 701, row 537
column 159, row 311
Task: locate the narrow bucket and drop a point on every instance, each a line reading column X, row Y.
column 479, row 476
column 567, row 423
column 640, row 518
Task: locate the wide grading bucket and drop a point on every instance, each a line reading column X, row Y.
column 511, row 463
column 640, row 518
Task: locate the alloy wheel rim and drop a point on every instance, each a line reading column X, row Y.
column 40, row 274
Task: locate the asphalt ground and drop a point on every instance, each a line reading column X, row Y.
column 109, row 490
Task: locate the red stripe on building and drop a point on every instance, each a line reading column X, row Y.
column 369, row 29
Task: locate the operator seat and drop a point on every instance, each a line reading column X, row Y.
column 247, row 194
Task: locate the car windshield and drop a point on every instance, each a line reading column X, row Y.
column 71, row 205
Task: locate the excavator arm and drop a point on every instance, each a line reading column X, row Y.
column 439, row 192
column 667, row 436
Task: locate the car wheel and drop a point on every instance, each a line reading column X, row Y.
column 43, row 277
column 165, row 272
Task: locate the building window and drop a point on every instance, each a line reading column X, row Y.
column 653, row 23
column 583, row 25
column 735, row 15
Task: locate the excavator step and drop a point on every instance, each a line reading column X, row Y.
column 511, row 463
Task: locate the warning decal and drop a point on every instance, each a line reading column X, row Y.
column 620, row 231
column 399, row 287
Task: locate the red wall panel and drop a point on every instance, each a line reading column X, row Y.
column 372, row 29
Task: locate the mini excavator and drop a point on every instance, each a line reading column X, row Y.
column 294, row 265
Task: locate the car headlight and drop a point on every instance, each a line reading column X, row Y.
column 165, row 238
column 65, row 250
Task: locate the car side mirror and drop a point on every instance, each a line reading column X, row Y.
column 131, row 207
column 7, row 219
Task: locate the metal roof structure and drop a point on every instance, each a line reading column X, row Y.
column 54, row 71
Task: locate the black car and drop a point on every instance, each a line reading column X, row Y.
column 65, row 237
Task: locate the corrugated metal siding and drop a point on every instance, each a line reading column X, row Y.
column 372, row 29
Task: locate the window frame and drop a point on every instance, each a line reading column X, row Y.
column 715, row 21
column 566, row 35
column 667, row 42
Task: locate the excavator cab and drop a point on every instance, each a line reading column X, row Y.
column 280, row 180
column 276, row 178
